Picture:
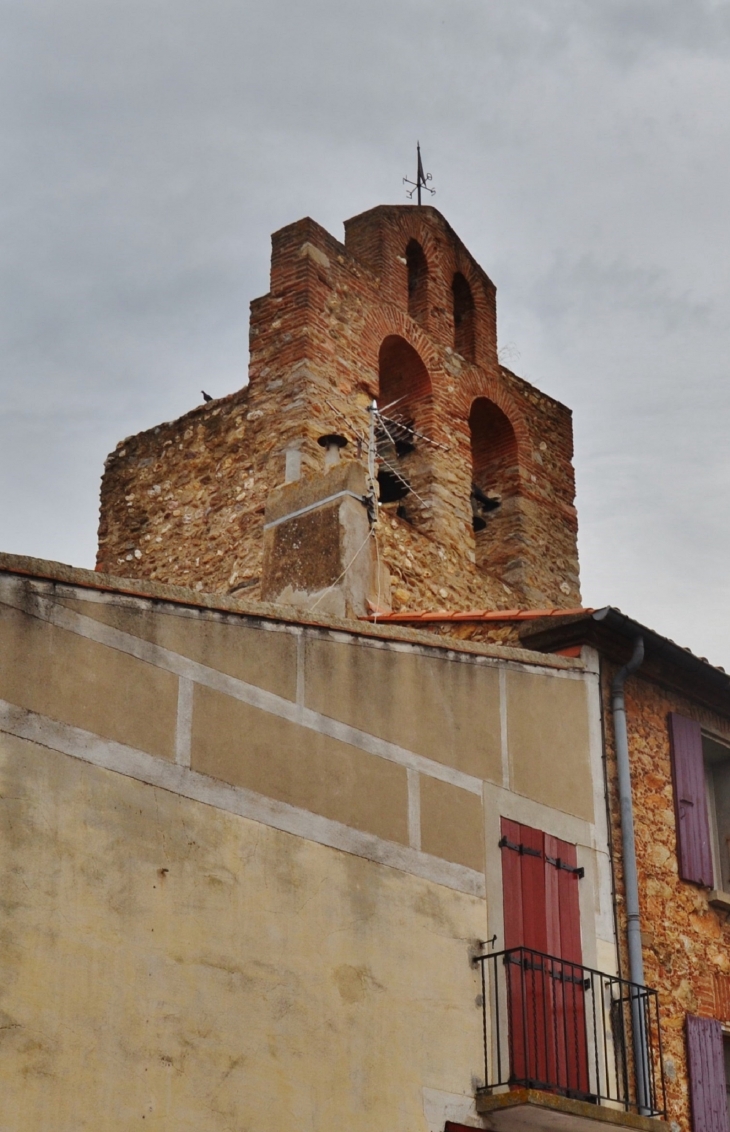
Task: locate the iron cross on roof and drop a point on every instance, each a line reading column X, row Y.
column 421, row 179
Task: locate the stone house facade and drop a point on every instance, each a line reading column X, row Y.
column 678, row 716
column 678, row 722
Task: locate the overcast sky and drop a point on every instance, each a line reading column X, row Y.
column 580, row 149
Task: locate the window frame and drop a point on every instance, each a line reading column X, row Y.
column 720, row 892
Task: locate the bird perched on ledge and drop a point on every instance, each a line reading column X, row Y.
column 206, row 396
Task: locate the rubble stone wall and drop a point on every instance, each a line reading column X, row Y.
column 686, row 941
column 183, row 502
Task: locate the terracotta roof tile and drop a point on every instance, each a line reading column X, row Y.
column 445, row 615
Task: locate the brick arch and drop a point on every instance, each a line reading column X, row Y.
column 391, row 322
column 474, row 278
column 461, row 265
column 413, row 227
column 494, row 451
column 464, row 310
column 476, row 383
column 497, row 451
column 403, row 378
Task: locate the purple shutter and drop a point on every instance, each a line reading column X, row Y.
column 690, row 801
column 706, row 1065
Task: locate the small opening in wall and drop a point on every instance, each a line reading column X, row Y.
column 417, row 281
column 404, row 399
column 463, row 317
column 494, row 462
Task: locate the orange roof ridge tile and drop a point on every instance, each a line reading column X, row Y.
column 475, row 614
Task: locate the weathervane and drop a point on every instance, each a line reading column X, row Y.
column 421, row 179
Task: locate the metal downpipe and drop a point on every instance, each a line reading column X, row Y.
column 631, row 883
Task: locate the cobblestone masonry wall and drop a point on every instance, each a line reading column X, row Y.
column 183, row 502
column 686, row 942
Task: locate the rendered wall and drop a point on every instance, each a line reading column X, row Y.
column 166, row 964
column 245, row 859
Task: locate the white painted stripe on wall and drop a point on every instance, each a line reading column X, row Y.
column 301, row 687
column 109, row 755
column 414, row 809
column 504, row 734
column 184, row 723
column 58, row 615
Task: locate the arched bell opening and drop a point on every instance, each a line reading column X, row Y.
column 404, row 417
column 464, row 318
column 417, row 267
column 495, row 481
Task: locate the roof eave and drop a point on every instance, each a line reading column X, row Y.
column 612, row 633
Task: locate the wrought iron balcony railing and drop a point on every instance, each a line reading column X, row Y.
column 557, row 1026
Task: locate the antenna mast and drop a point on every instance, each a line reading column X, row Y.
column 421, row 179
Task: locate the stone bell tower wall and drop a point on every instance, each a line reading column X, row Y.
column 184, row 502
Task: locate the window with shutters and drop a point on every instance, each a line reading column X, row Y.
column 701, row 779
column 707, row 1060
column 726, row 1052
column 717, row 779
column 694, row 849
column 540, row 876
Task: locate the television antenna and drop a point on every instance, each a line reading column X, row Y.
column 369, row 442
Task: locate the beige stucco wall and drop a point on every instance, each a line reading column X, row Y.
column 245, row 860
column 163, row 959
column 548, row 736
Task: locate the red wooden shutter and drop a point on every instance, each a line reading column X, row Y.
column 541, row 901
column 568, row 899
column 545, row 991
column 706, row 1064
column 512, row 885
column 534, row 894
column 690, row 801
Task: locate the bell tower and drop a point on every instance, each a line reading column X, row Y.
column 474, row 464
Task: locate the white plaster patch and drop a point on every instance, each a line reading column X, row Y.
column 438, row 1107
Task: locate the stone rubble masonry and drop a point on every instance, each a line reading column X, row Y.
column 183, row 503
column 686, row 941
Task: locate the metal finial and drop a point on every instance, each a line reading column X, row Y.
column 421, row 179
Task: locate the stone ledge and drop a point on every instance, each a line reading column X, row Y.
column 530, row 1110
column 720, row 900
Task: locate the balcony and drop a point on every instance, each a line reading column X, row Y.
column 567, row 1046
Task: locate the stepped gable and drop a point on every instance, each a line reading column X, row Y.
column 400, row 312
